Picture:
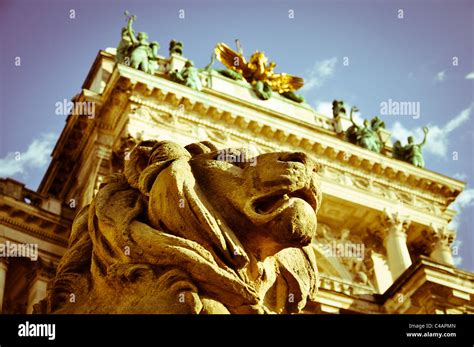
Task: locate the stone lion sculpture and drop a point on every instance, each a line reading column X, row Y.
column 180, row 231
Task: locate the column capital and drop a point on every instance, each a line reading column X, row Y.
column 391, row 218
column 393, row 222
column 437, row 235
column 441, row 234
column 438, row 241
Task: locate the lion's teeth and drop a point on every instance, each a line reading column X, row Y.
column 286, row 197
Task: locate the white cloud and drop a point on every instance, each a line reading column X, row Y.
column 321, row 71
column 399, row 132
column 470, row 76
column 463, row 201
column 37, row 155
column 438, row 137
column 440, row 76
column 324, row 107
column 461, row 176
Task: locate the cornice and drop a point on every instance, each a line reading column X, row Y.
column 36, row 232
column 240, row 130
column 30, row 212
column 431, row 270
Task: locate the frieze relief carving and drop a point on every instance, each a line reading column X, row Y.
column 347, row 178
column 221, row 137
column 363, row 183
column 348, row 249
column 159, row 117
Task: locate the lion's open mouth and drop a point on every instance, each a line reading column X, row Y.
column 269, row 203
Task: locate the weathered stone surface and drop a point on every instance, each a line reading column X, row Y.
column 180, row 231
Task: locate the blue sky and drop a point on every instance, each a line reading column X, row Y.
column 357, row 51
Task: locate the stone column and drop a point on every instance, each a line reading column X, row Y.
column 395, row 241
column 378, row 263
column 38, row 279
column 38, row 291
column 3, row 277
column 441, row 239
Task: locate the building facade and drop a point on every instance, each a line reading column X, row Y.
column 383, row 244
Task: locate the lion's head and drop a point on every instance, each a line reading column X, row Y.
column 270, row 202
column 194, row 230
